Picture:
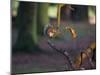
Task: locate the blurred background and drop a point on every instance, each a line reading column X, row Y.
column 30, row 50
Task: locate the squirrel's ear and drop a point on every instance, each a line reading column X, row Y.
column 72, row 31
column 74, row 34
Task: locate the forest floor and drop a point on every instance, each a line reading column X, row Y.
column 49, row 60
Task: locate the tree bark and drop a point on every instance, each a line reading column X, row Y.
column 30, row 21
column 27, row 26
column 42, row 15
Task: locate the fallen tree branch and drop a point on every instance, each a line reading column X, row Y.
column 87, row 53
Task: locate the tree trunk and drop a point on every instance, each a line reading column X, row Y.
column 30, row 21
column 27, row 26
column 43, row 18
column 80, row 13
